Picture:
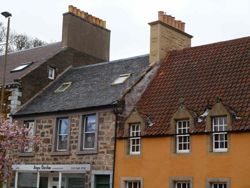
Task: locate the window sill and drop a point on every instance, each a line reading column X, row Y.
column 28, row 154
column 86, row 152
column 219, row 151
column 60, row 153
column 182, row 152
column 133, row 155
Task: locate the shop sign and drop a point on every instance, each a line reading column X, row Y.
column 49, row 167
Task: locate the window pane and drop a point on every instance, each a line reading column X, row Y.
column 102, row 181
column 89, row 141
column 27, row 180
column 63, row 126
column 90, row 123
column 135, row 140
column 73, row 180
column 30, row 125
column 133, row 184
column 62, row 142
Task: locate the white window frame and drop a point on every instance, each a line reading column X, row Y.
column 220, row 136
column 51, row 73
column 134, row 184
column 84, row 132
column 126, row 180
column 135, row 139
column 58, row 135
column 182, row 184
column 182, row 133
column 219, row 185
column 30, row 124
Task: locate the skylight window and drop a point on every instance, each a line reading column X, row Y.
column 121, row 79
column 21, row 67
column 63, row 87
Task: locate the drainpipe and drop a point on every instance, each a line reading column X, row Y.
column 118, row 107
column 114, row 157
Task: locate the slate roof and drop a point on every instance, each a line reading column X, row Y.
column 91, row 86
column 199, row 75
column 36, row 55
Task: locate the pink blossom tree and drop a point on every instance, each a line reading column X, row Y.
column 12, row 139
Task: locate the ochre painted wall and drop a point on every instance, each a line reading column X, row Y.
column 158, row 162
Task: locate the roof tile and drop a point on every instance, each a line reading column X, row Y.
column 199, row 75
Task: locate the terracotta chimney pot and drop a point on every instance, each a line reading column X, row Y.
column 71, row 8
column 160, row 15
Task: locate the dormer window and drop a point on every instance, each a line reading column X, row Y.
column 51, row 73
column 182, row 136
column 63, row 87
column 21, row 67
column 121, row 79
column 219, row 127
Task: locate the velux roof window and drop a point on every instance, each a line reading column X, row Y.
column 63, row 87
column 21, row 67
column 121, row 79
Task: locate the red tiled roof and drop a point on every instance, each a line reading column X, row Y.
column 36, row 55
column 199, row 75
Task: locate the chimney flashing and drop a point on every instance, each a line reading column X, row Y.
column 171, row 27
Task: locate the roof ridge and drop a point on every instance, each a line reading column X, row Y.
column 109, row 62
column 213, row 44
column 33, row 48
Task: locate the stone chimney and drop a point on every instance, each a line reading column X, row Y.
column 166, row 34
column 85, row 33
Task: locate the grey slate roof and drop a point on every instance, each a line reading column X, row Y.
column 91, row 86
column 36, row 55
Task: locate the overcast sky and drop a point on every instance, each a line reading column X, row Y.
column 207, row 20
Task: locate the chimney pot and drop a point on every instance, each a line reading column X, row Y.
column 160, row 15
column 71, row 8
column 164, row 39
column 183, row 26
column 74, row 11
column 87, row 31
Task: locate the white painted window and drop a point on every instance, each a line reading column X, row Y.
column 182, row 136
column 220, row 141
column 89, row 132
column 132, row 184
column 135, row 139
column 182, row 184
column 51, row 73
column 219, row 185
column 30, row 125
column 62, row 134
column 121, row 79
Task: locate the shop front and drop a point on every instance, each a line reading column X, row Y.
column 50, row 176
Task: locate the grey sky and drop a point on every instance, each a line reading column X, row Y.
column 207, row 20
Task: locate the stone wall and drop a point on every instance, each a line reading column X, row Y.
column 43, row 152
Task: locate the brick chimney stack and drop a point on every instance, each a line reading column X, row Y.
column 85, row 33
column 166, row 34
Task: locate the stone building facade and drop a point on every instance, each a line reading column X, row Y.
column 98, row 162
